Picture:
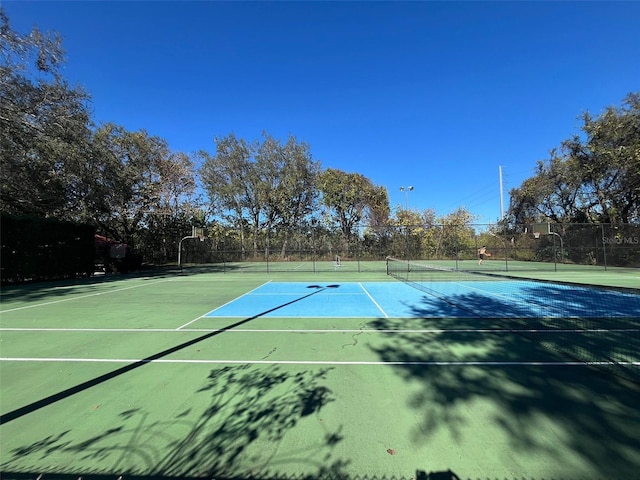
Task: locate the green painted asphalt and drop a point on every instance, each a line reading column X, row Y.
column 181, row 416
column 278, row 421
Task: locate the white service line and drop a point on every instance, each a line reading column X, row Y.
column 308, row 362
column 83, row 296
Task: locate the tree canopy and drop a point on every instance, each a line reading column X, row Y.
column 350, row 198
column 592, row 177
column 45, row 126
column 269, row 183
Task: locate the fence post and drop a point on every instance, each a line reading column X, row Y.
column 604, row 246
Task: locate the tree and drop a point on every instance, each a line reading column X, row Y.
column 177, row 209
column 423, row 233
column 554, row 193
column 378, row 210
column 349, row 197
column 128, row 168
column 289, row 179
column 457, row 235
column 45, row 125
column 609, row 161
column 269, row 183
column 593, row 177
column 229, row 178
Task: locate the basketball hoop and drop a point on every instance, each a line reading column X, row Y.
column 536, row 235
column 198, row 232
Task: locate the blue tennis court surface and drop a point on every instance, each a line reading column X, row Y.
column 490, row 299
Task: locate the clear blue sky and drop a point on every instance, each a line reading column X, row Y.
column 436, row 95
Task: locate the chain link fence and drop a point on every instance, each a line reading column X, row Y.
column 366, row 247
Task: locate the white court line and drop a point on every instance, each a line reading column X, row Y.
column 373, row 300
column 84, row 296
column 321, row 330
column 308, row 362
column 218, row 308
column 288, row 294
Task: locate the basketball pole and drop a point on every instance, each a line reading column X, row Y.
column 193, row 235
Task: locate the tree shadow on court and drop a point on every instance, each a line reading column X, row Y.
column 255, row 404
column 246, row 405
column 540, row 411
column 233, row 426
column 52, row 290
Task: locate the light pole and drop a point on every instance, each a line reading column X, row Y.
column 406, row 191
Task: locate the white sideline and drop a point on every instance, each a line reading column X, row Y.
column 44, row 304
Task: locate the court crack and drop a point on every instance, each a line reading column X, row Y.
column 354, row 337
column 269, row 354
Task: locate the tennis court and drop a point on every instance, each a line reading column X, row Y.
column 340, row 375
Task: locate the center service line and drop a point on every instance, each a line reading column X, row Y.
column 373, row 300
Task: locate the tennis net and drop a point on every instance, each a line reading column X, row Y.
column 597, row 326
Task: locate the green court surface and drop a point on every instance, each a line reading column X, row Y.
column 137, row 377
